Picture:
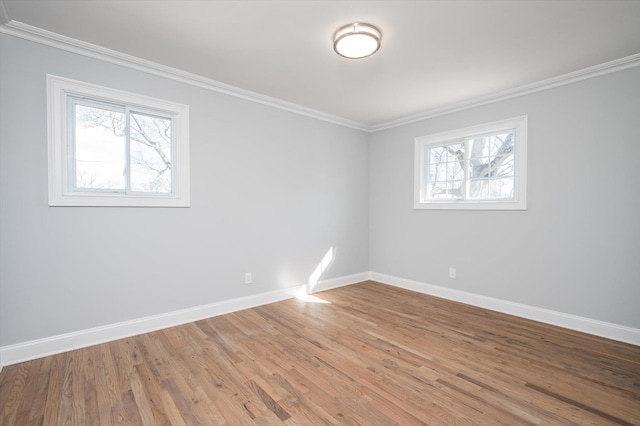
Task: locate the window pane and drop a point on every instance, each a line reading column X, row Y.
column 479, row 147
column 99, row 148
column 497, row 141
column 455, row 171
column 491, row 188
column 437, row 154
column 438, row 191
column 455, row 152
column 445, row 190
column 502, row 188
column 446, row 171
column 480, row 167
column 491, row 166
column 478, row 188
column 438, row 173
column 150, row 142
column 455, row 189
column 505, row 168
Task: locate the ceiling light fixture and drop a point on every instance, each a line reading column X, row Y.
column 357, row 40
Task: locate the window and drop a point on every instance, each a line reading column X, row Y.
column 112, row 148
column 481, row 167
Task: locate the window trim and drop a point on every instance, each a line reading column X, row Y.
column 60, row 191
column 520, row 166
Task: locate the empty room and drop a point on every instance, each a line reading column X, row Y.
column 319, row 212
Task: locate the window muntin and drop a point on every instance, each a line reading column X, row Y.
column 113, row 148
column 482, row 167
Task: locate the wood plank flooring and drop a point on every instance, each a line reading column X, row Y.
column 372, row 355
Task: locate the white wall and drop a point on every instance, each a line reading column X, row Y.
column 271, row 192
column 576, row 249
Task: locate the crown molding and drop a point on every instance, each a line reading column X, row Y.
column 4, row 13
column 48, row 38
column 550, row 83
column 58, row 41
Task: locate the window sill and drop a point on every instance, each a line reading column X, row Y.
column 471, row 205
column 117, row 200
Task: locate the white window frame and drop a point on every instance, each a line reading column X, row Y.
column 61, row 192
column 518, row 124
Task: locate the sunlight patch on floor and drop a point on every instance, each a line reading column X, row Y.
column 310, row 298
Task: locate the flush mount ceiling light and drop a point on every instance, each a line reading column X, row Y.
column 357, row 40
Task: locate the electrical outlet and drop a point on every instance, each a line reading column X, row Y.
column 452, row 272
column 247, row 278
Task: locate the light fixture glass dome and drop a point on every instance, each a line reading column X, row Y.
column 357, row 40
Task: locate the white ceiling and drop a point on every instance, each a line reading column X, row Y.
column 434, row 53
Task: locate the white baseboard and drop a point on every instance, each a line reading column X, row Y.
column 13, row 354
column 340, row 282
column 26, row 351
column 573, row 322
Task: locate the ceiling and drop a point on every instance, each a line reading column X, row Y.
column 434, row 53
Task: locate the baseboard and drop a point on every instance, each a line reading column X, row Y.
column 573, row 322
column 13, row 354
column 340, row 282
column 26, row 351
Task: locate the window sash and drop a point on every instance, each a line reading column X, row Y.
column 503, row 184
column 60, row 159
column 427, row 165
column 72, row 103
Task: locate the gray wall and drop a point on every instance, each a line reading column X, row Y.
column 271, row 192
column 577, row 247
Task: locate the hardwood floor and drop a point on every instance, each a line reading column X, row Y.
column 371, row 355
